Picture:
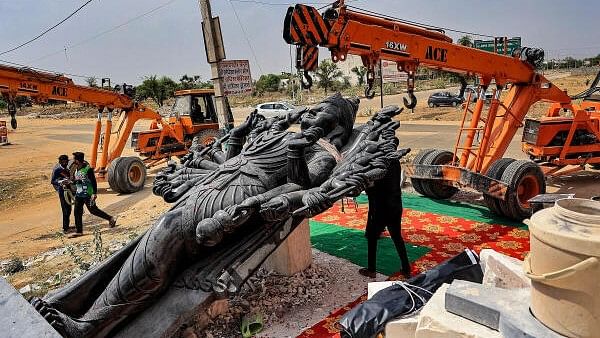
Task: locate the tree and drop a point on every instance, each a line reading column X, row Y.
column 157, row 89
column 268, row 83
column 327, row 73
column 193, row 82
column 466, row 40
column 92, row 82
column 360, row 72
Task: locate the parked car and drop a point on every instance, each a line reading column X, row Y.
column 474, row 95
column 271, row 109
column 443, row 99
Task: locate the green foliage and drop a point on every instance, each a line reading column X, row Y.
column 466, row 40
column 268, row 83
column 2, row 104
column 157, row 89
column 193, row 82
column 327, row 74
column 360, row 72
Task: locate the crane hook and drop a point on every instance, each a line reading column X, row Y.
column 369, row 92
column 309, row 81
column 413, row 100
column 12, row 110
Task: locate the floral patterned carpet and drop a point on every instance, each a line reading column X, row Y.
column 442, row 228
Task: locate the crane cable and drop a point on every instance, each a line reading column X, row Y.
column 47, row 30
column 110, row 30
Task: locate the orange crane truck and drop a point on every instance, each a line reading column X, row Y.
column 476, row 160
column 193, row 115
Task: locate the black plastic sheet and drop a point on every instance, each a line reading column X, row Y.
column 369, row 318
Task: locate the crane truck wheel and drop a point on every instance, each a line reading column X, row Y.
column 126, row 174
column 111, row 174
column 131, row 174
column 525, row 180
column 417, row 182
column 433, row 188
column 495, row 171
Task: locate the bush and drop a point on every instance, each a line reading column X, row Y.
column 2, row 104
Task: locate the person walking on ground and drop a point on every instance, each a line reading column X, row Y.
column 60, row 176
column 85, row 182
column 385, row 211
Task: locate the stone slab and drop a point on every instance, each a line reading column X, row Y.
column 18, row 319
column 435, row 321
column 502, row 271
column 294, row 254
column 506, row 311
column 165, row 317
column 404, row 327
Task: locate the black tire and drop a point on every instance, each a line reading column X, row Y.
column 454, row 103
column 416, row 182
column 127, row 175
column 433, row 188
column 495, row 171
column 525, row 180
column 431, row 105
column 111, row 174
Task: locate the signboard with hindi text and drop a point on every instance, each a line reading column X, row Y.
column 236, row 76
column 391, row 74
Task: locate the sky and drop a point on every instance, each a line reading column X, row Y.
column 169, row 40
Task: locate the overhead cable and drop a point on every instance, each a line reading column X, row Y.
column 47, row 30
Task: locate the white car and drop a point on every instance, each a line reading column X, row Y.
column 271, row 109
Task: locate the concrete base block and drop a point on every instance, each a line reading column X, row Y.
column 504, row 310
column 435, row 321
column 502, row 271
column 18, row 319
column 294, row 254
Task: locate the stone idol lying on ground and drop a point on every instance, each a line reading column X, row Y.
column 231, row 209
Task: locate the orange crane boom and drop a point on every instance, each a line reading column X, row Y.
column 157, row 144
column 483, row 138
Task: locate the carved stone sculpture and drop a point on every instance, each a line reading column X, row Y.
column 226, row 206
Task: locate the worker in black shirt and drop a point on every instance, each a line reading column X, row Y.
column 60, row 177
column 85, row 182
column 385, row 211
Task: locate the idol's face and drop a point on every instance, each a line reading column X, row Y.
column 319, row 117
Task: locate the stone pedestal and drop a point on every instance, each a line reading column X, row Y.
column 294, row 254
column 18, row 319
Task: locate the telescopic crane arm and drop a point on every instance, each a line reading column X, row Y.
column 43, row 86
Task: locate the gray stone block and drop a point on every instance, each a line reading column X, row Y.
column 18, row 319
column 506, row 311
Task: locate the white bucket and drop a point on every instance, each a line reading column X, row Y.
column 564, row 267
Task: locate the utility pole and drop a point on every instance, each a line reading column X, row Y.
column 215, row 52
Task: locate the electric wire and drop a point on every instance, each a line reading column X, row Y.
column 246, row 36
column 47, row 30
column 420, row 24
column 110, row 30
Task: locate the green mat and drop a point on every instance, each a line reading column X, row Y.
column 351, row 245
column 468, row 211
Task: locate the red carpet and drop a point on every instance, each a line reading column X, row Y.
column 446, row 236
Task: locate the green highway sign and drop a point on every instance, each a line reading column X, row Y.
column 488, row 45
